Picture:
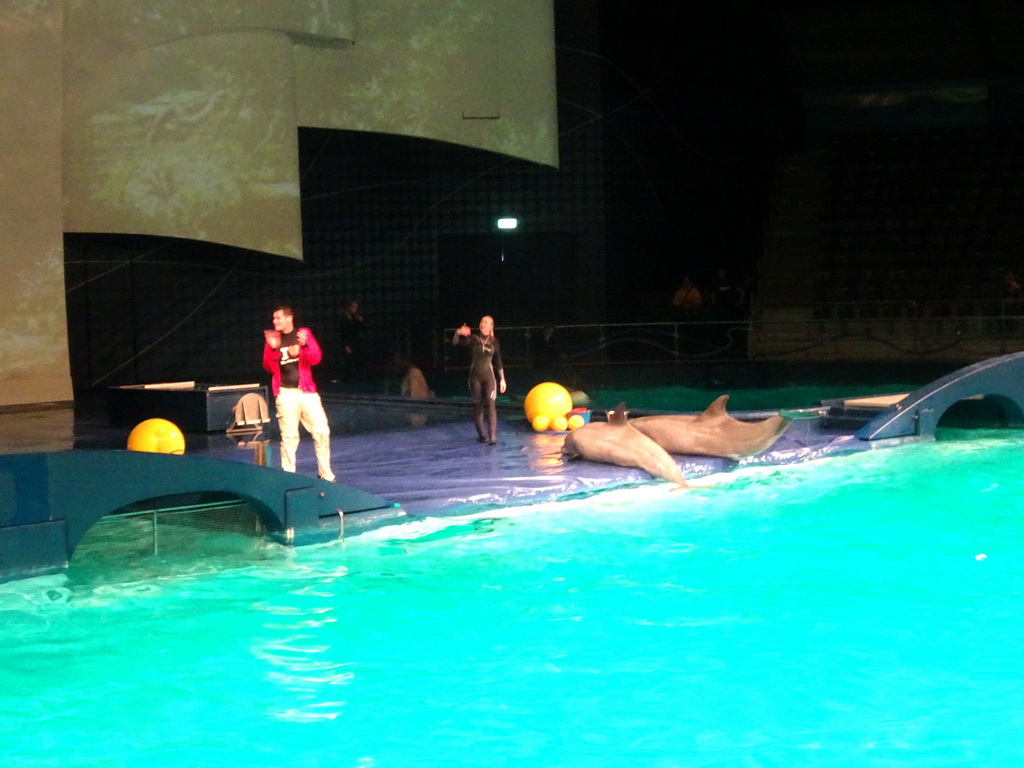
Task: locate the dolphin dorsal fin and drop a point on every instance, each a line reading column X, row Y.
column 716, row 409
column 618, row 416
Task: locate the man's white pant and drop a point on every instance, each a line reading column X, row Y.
column 296, row 407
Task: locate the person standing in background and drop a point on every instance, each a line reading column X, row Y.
column 545, row 348
column 353, row 333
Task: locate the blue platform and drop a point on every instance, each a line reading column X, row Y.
column 999, row 380
column 395, row 459
column 49, row 500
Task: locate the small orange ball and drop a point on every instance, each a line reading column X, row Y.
column 559, row 424
column 575, row 421
column 540, row 422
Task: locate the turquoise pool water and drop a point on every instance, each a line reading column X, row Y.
column 861, row 610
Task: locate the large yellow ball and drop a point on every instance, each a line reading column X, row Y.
column 559, row 424
column 548, row 399
column 540, row 422
column 156, row 436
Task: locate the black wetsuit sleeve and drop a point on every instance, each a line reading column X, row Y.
column 496, row 361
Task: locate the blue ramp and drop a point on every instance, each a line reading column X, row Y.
column 1000, row 379
column 49, row 500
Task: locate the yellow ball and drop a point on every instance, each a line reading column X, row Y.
column 156, row 436
column 575, row 421
column 540, row 422
column 549, row 399
column 559, row 424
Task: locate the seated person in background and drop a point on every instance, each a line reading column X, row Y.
column 1011, row 288
column 727, row 298
column 414, row 383
column 1013, row 299
column 687, row 300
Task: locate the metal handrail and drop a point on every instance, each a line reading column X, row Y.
column 908, row 330
column 893, row 308
column 612, row 343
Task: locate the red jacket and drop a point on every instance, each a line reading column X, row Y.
column 309, row 356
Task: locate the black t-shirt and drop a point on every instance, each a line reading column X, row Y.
column 289, row 364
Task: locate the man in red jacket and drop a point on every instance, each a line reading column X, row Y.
column 289, row 354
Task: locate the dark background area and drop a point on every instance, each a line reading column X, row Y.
column 674, row 121
column 698, row 109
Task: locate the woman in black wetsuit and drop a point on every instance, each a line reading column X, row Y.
column 486, row 375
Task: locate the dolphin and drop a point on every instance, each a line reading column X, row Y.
column 616, row 442
column 712, row 433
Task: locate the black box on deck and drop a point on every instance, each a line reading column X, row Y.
column 192, row 407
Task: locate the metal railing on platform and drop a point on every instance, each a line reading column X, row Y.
column 607, row 344
column 890, row 330
column 840, row 330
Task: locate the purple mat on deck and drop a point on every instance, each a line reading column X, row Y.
column 436, row 469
